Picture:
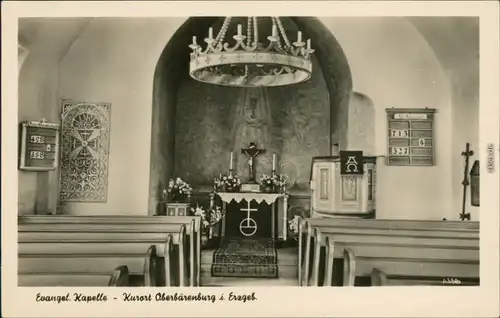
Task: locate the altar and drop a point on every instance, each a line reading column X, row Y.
column 250, row 220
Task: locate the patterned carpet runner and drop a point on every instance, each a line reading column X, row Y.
column 245, row 257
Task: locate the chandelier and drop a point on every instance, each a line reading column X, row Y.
column 250, row 62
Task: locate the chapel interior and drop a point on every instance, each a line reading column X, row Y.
column 132, row 117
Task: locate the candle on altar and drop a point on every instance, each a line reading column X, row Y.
column 275, row 30
column 299, row 36
column 239, row 29
column 309, row 44
column 194, row 40
column 210, row 33
column 231, row 162
column 274, row 162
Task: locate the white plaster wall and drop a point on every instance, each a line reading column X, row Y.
column 114, row 61
column 394, row 66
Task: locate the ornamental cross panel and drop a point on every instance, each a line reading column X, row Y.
column 85, row 152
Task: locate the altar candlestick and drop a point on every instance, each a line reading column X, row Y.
column 239, row 29
column 275, row 30
column 194, row 40
column 231, row 161
column 299, row 36
column 274, row 162
column 210, row 33
column 309, row 44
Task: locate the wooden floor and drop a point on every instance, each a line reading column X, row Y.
column 287, row 269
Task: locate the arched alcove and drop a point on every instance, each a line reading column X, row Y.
column 332, row 86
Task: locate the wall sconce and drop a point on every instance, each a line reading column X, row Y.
column 474, row 184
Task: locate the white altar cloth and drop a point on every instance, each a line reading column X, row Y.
column 259, row 197
column 269, row 198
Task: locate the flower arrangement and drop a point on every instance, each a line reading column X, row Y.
column 209, row 217
column 293, row 224
column 281, row 182
column 272, row 182
column 229, row 182
column 297, row 212
column 178, row 191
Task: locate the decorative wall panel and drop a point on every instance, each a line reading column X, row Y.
column 212, row 121
column 349, row 188
column 85, row 152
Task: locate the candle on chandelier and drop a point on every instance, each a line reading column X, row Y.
column 231, row 162
column 309, row 44
column 275, row 30
column 274, row 162
column 239, row 29
column 194, row 40
column 210, row 33
column 299, row 36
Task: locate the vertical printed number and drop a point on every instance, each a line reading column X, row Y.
column 400, row 151
column 421, row 142
column 399, row 133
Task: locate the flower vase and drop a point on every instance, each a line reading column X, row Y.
column 205, row 237
column 268, row 188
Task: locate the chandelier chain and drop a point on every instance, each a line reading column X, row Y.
column 282, row 30
column 249, row 31
column 256, row 30
column 222, row 33
column 278, row 43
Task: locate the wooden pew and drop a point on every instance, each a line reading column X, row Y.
column 305, row 250
column 119, row 277
column 152, row 267
column 172, row 272
column 424, row 258
column 65, row 244
column 163, row 271
column 422, row 269
column 374, row 238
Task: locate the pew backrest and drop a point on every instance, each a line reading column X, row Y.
column 123, row 236
column 119, row 277
column 349, row 273
column 378, row 277
column 150, row 267
column 170, row 265
column 372, row 238
column 420, row 259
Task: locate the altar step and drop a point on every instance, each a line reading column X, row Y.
column 287, row 271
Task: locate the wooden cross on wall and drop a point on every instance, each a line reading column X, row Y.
column 467, row 154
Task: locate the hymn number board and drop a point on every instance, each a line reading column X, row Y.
column 39, row 146
column 410, row 137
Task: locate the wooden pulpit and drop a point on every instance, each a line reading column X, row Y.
column 337, row 194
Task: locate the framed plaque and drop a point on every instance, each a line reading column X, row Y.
column 410, row 137
column 39, row 147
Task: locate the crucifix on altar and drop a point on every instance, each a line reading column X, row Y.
column 252, row 151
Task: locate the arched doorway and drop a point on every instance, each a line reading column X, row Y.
column 182, row 122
